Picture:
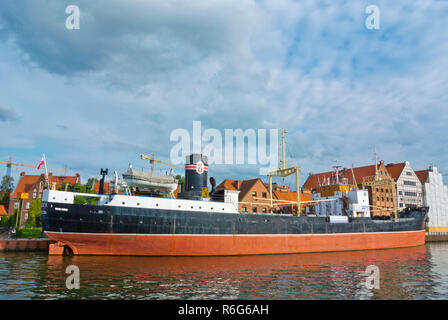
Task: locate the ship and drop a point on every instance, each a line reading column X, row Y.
column 197, row 223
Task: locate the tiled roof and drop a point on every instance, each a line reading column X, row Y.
column 314, row 180
column 422, row 175
column 229, row 184
column 25, row 183
column 247, row 185
column 395, row 169
column 290, row 196
column 96, row 187
column 3, row 210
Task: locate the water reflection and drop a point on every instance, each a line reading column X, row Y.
column 410, row 273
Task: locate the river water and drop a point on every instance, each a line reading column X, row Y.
column 409, row 273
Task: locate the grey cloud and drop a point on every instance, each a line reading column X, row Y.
column 127, row 44
column 8, row 114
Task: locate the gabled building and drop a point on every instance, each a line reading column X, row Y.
column 253, row 196
column 435, row 196
column 409, row 187
column 33, row 185
column 380, row 195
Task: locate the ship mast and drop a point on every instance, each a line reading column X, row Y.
column 284, row 172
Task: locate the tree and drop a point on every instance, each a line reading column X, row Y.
column 181, row 181
column 90, row 183
column 4, row 221
column 7, row 183
column 34, row 217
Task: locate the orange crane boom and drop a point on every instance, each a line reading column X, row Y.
column 9, row 164
column 153, row 159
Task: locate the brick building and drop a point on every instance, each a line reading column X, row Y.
column 409, row 187
column 380, row 195
column 34, row 186
column 254, row 196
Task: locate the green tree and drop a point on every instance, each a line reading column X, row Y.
column 12, row 219
column 7, row 183
column 90, row 183
column 4, row 221
column 181, row 181
column 34, row 217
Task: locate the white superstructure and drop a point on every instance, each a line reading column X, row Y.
column 354, row 203
column 435, row 196
column 119, row 200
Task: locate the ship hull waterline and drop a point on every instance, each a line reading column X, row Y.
column 226, row 244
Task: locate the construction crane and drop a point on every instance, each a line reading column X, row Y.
column 152, row 160
column 9, row 165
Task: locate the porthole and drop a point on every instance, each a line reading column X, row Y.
column 178, row 206
column 222, row 209
column 191, row 207
column 122, row 202
column 200, row 207
column 211, row 208
column 138, row 203
column 157, row 204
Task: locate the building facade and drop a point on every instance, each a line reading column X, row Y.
column 253, row 196
column 435, row 196
column 375, row 179
column 33, row 185
column 408, row 185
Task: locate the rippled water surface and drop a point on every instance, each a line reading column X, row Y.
column 410, row 273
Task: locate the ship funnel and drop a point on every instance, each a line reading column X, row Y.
column 196, row 169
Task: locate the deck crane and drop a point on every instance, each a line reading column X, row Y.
column 9, row 165
column 152, row 161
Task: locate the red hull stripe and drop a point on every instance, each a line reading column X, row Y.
column 212, row 245
column 193, row 167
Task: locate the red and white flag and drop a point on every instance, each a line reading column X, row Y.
column 42, row 162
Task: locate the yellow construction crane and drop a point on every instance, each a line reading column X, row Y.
column 152, row 160
column 9, row 165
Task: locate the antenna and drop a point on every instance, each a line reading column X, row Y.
column 283, row 149
column 376, row 163
column 353, row 175
column 336, row 168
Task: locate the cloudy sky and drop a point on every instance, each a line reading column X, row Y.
column 136, row 70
